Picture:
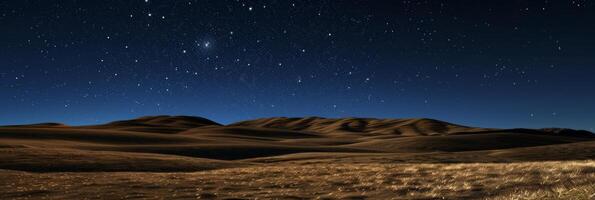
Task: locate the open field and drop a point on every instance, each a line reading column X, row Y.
column 327, row 181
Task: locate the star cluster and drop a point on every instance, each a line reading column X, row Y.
column 493, row 64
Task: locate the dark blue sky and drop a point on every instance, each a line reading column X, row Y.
column 491, row 64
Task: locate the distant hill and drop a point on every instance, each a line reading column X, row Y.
column 405, row 127
column 184, row 143
column 167, row 121
column 41, row 125
column 159, row 124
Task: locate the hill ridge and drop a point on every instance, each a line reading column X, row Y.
column 405, row 126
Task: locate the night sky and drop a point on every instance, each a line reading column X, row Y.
column 483, row 63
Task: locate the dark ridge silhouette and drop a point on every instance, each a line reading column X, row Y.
column 40, row 125
column 568, row 132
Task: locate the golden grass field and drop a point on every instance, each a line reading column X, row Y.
column 532, row 180
column 293, row 158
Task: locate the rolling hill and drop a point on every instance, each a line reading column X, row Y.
column 188, row 143
column 181, row 157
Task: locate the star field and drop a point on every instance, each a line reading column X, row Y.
column 492, row 64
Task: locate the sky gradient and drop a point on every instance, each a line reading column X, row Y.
column 496, row 64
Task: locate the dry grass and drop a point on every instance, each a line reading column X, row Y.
column 534, row 180
column 562, row 192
